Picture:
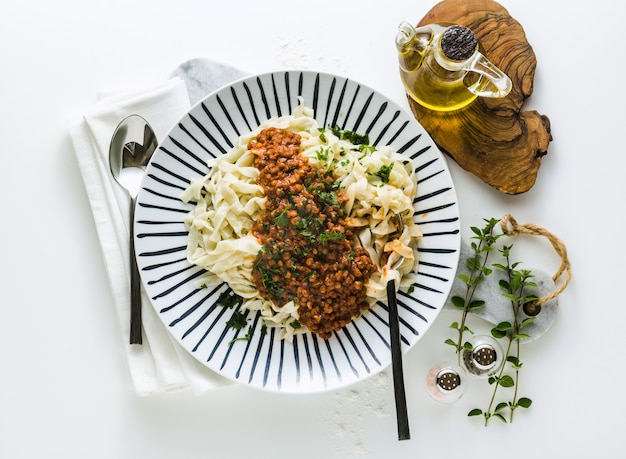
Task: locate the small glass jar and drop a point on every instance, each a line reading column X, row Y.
column 446, row 383
column 485, row 358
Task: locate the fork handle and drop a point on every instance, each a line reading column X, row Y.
column 402, row 416
column 135, row 284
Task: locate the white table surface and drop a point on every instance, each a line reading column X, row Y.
column 64, row 388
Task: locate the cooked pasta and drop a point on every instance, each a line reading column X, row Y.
column 377, row 188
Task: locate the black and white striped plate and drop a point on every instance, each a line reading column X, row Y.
column 196, row 318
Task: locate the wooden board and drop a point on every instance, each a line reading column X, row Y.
column 492, row 138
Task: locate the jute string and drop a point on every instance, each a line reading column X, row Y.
column 512, row 228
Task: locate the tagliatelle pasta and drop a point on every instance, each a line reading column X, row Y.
column 378, row 187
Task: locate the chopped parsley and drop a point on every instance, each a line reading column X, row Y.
column 238, row 320
column 272, row 286
column 350, row 136
column 227, row 300
column 322, row 238
column 329, row 198
column 322, row 134
column 309, row 227
column 323, row 153
column 281, row 219
column 384, row 172
column 246, row 337
column 344, row 163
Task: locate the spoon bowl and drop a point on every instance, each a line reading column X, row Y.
column 131, row 148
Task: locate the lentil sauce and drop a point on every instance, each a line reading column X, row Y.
column 308, row 252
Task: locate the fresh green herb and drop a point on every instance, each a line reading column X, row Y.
column 281, row 219
column 246, row 337
column 294, row 266
column 514, row 287
column 228, row 299
column 350, row 136
column 322, row 134
column 324, row 237
column 309, row 227
column 238, row 320
column 268, row 279
column 478, row 270
column 323, row 153
column 295, row 325
column 329, row 198
column 312, row 237
column 384, row 172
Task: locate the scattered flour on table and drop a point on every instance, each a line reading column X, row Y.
column 297, row 53
column 364, row 402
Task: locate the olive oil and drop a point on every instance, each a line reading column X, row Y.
column 438, row 89
column 442, row 67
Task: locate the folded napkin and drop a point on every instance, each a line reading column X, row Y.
column 160, row 364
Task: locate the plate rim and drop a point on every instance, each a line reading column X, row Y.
column 304, row 73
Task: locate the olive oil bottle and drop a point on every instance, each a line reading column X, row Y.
column 442, row 68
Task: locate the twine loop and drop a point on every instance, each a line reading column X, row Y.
column 510, row 227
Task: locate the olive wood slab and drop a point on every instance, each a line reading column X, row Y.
column 492, row 138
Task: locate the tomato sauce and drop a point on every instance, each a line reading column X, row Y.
column 308, row 254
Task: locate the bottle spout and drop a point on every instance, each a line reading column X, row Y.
column 411, row 44
column 405, row 35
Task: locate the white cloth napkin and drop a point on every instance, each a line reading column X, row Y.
column 160, row 364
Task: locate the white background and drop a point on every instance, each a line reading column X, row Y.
column 64, row 387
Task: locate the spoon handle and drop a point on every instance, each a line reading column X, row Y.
column 396, row 364
column 135, row 284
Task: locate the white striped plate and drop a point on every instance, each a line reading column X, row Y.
column 195, row 318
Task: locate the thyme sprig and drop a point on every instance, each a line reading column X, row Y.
column 514, row 285
column 482, row 246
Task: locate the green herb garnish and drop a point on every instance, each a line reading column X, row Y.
column 322, row 153
column 238, row 320
column 513, row 287
column 384, row 172
column 267, row 279
column 350, row 136
column 478, row 270
column 322, row 134
column 335, row 236
column 282, row 219
column 329, row 198
column 246, row 337
column 228, row 300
